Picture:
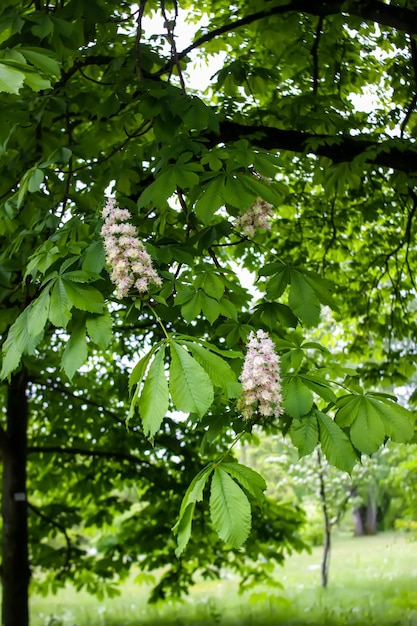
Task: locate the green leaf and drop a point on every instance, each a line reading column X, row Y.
column 250, row 480
column 335, row 445
column 229, row 509
column 372, row 418
column 190, row 386
column 367, row 431
column 38, row 314
column 260, row 189
column 42, row 59
column 153, row 401
column 277, row 283
column 322, row 289
column 11, row 80
column 35, row 180
column 192, row 307
column 304, row 434
column 220, row 372
column 18, row 342
column 303, row 300
column 298, row 399
column 36, row 82
column 211, row 284
column 211, row 199
column 195, row 489
column 320, row 387
column 398, row 422
column 75, row 353
column 159, row 190
column 348, row 407
column 210, row 308
column 138, row 371
column 84, row 297
column 99, row 328
column 94, row 257
column 183, row 529
column 228, row 309
column 60, row 309
column 193, row 494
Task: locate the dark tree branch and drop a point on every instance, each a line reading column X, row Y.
column 139, row 31
column 81, row 398
column 4, row 440
column 315, row 55
column 413, row 103
column 376, row 11
column 170, row 28
column 100, row 59
column 339, row 149
column 103, row 454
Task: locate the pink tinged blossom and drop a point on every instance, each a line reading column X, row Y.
column 257, row 216
column 260, row 378
column 126, row 255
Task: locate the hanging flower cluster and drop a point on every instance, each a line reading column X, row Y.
column 130, row 264
column 257, row 216
column 260, row 378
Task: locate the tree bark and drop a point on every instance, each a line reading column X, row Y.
column 15, row 567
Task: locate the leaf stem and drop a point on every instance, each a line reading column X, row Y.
column 159, row 321
column 232, row 445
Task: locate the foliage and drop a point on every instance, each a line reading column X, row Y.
column 97, row 102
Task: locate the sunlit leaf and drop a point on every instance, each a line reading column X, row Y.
column 153, row 401
column 230, row 510
column 190, row 385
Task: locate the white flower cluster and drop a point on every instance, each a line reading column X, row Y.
column 130, row 264
column 260, row 378
column 257, row 216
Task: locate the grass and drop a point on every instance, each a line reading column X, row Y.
column 373, row 581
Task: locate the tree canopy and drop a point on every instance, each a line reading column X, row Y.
column 296, row 164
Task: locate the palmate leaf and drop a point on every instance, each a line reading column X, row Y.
column 190, row 385
column 230, row 509
column 335, row 444
column 398, row 422
column 304, row 434
column 372, row 418
column 153, row 402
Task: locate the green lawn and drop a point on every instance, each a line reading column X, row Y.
column 373, row 581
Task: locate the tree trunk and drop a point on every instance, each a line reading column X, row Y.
column 365, row 516
column 325, row 563
column 15, row 566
